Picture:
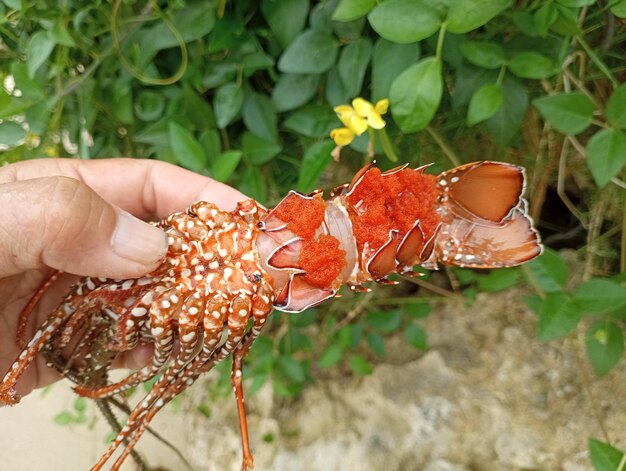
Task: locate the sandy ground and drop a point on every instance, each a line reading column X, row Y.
column 486, row 396
column 30, row 440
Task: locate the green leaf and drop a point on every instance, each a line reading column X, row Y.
column 225, row 164
column 257, row 150
column 335, row 92
column 404, row 21
column 505, row 124
column 549, row 271
column 60, row 35
column 384, row 321
column 149, row 105
column 256, row 61
column 122, row 103
column 360, row 365
column 312, row 121
column 557, row 316
column 484, row 54
column 38, row 49
column 388, row 61
column 376, row 343
column 13, row 4
column 616, row 107
column 545, row 17
column 606, row 154
column 418, row 310
column 569, row 113
column 294, row 90
column 253, row 184
column 259, row 116
column 30, row 88
column 605, row 346
column 603, row 456
column 499, row 280
column 416, row 336
column 531, row 65
column 197, row 109
column 291, row 368
column 566, row 23
column 415, row 95
column 312, row 52
column 294, row 340
column 188, row 150
column 331, row 356
column 467, row 15
column 11, row 134
column 353, row 62
column 349, row 10
column 285, row 17
column 618, row 8
column 211, row 143
column 316, row 158
column 349, row 336
column 576, row 3
column 193, row 22
column 63, row 418
column 227, row 104
column 80, row 404
column 11, row 106
column 485, row 102
column 599, row 295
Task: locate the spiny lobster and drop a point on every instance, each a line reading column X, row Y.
column 226, row 270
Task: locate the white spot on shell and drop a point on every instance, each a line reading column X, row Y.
column 139, row 311
column 156, row 331
column 188, row 337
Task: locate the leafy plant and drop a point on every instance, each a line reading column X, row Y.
column 244, row 92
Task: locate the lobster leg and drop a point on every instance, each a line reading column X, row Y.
column 261, row 308
column 163, row 330
column 162, row 391
column 22, row 323
column 48, row 329
column 239, row 314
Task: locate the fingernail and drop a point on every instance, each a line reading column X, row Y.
column 138, row 241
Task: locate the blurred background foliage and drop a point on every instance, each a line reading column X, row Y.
column 243, row 91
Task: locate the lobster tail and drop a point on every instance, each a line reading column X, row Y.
column 484, row 220
column 387, row 222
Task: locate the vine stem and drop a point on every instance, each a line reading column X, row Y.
column 385, row 142
column 596, row 60
column 442, row 35
column 622, row 260
column 441, row 142
column 501, row 75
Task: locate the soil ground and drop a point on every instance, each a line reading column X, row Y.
column 487, row 395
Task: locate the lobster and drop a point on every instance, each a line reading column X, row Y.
column 224, row 273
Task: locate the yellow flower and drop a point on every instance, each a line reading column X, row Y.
column 357, row 118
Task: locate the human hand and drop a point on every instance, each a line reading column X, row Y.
column 75, row 216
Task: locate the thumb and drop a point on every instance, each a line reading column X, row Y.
column 61, row 223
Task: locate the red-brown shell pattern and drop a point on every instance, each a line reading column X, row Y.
column 202, row 296
column 224, row 269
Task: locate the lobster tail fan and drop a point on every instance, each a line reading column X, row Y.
column 485, row 223
column 487, row 190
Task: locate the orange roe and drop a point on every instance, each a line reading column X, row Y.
column 302, row 215
column 323, row 260
column 381, row 203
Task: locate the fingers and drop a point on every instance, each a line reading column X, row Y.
column 149, row 189
column 136, row 358
column 62, row 223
